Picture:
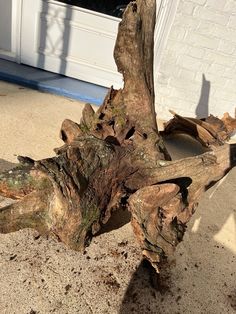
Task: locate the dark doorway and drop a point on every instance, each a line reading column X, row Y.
column 114, row 8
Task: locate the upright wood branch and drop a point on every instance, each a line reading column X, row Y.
column 116, row 157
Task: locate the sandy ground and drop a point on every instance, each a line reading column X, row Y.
column 39, row 275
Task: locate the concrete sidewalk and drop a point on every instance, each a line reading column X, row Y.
column 42, row 276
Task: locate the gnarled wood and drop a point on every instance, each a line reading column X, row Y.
column 116, row 157
column 211, row 131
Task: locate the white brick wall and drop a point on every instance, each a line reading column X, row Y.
column 202, row 41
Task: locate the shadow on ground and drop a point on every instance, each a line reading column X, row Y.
column 203, row 278
column 118, row 219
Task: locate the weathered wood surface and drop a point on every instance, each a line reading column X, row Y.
column 116, row 157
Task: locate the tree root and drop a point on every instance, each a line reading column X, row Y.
column 116, row 157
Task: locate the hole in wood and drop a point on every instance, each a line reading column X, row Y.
column 99, row 127
column 63, row 136
column 112, row 140
column 112, row 123
column 130, row 133
column 101, row 116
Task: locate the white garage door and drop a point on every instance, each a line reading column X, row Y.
column 69, row 40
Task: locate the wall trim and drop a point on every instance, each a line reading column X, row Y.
column 166, row 10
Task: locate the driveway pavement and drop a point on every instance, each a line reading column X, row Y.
column 39, row 275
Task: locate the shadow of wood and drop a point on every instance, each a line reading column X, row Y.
column 202, row 278
column 202, row 109
column 118, row 219
column 182, row 146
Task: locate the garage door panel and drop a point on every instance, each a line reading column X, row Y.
column 66, row 40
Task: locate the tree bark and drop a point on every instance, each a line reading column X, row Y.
column 116, row 157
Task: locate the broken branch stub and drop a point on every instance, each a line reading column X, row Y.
column 116, row 157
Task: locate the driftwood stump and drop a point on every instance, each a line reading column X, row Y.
column 116, row 157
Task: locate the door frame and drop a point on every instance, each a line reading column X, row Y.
column 14, row 53
column 16, row 25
